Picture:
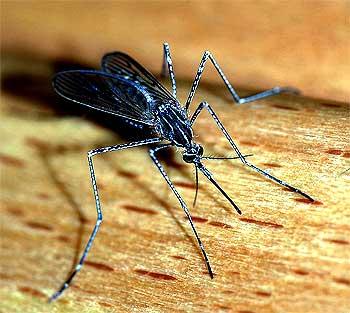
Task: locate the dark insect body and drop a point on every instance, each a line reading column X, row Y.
column 127, row 89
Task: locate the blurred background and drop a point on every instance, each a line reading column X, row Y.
column 259, row 44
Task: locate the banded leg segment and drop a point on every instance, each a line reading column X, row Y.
column 167, row 67
column 207, row 55
column 152, row 153
column 92, row 153
column 240, row 155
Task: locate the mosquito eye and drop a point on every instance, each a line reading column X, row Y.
column 200, row 151
column 188, row 158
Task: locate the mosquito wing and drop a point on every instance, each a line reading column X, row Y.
column 121, row 64
column 106, row 92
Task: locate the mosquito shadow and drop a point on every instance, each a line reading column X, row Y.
column 44, row 156
column 163, row 203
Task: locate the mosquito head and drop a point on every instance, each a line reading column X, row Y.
column 193, row 153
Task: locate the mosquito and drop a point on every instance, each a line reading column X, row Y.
column 125, row 88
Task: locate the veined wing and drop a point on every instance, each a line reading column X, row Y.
column 121, row 64
column 105, row 92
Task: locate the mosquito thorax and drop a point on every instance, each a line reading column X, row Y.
column 173, row 124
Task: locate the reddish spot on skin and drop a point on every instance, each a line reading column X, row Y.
column 346, row 155
column 247, row 143
column 15, row 211
column 178, row 257
column 184, row 184
column 84, row 290
column 334, row 151
column 307, row 201
column 43, row 195
column 63, row 238
column 263, row 294
column 41, row 226
column 10, row 160
column 228, row 292
column 32, row 292
column 220, row 224
column 272, row 165
column 223, row 307
column 301, row 272
column 5, row 276
column 198, row 219
column 342, row 281
column 99, row 266
column 331, row 105
column 107, row 305
column 338, row 241
column 137, row 209
column 155, row 275
column 37, row 143
column 261, row 223
column 284, row 107
column 127, row 174
column 60, row 149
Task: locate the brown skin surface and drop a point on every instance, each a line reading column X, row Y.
column 283, row 254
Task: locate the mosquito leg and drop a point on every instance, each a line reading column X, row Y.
column 92, row 153
column 241, row 156
column 167, row 67
column 207, row 55
column 152, row 153
column 197, row 185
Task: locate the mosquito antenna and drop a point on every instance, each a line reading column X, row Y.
column 223, row 158
column 208, row 175
column 196, row 194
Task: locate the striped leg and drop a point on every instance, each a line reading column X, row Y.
column 205, row 105
column 92, row 153
column 167, row 67
column 152, row 153
column 207, row 55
